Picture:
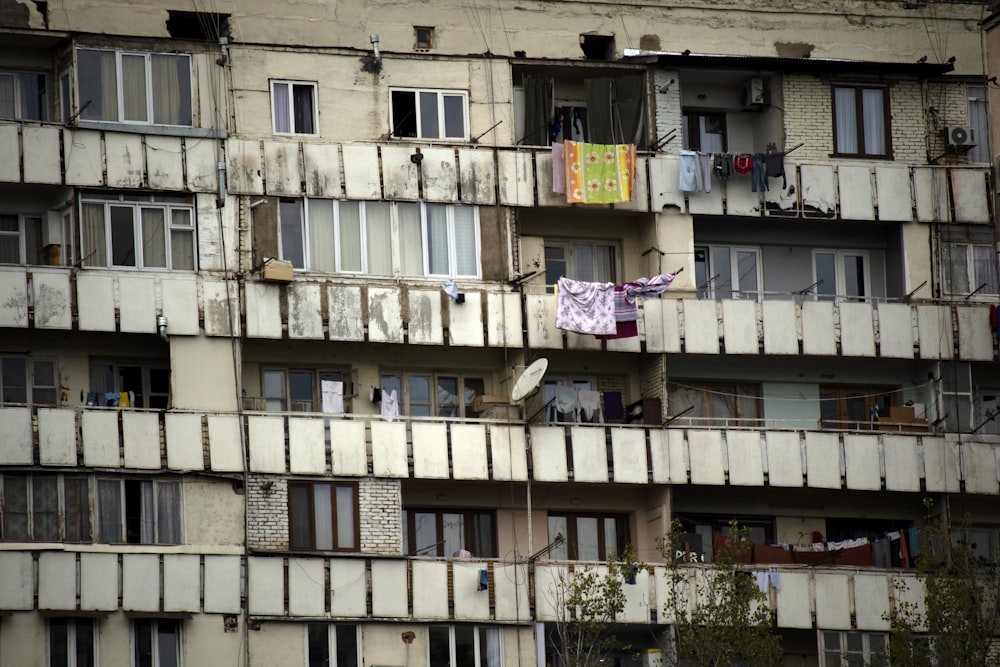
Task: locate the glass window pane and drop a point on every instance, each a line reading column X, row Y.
column 93, row 235
column 465, row 646
column 378, row 238
column 722, row 267
column 583, row 262
column 555, row 264
column 466, row 243
column 557, row 528
column 154, row 240
column 826, row 275
column 411, row 246
column 15, row 379
column 77, row 513
column 489, row 647
column 429, row 123
column 419, row 389
column 97, row 76
column 10, row 238
column 168, row 513
column 318, row 645
column 439, row 646
column 746, row 264
column 274, row 390
column 873, row 105
column 134, row 105
column 143, row 641
column 483, row 544
column 281, row 106
column 59, row 643
column 350, row 236
column 610, row 537
column 122, row 236
column 323, row 509
column 300, row 384
column 85, row 643
column 454, row 116
column 345, row 517
column 45, row 509
column 404, row 113
column 8, row 103
column 437, row 239
column 299, row 498
column 171, row 89
column 604, row 264
column 110, row 508
column 290, row 216
column 425, row 532
column 347, row 646
column 984, row 261
column 181, row 240
column 302, row 104
column 847, row 120
column 586, row 538
column 447, row 397
column 453, row 526
column 167, row 631
column 15, row 508
column 854, row 275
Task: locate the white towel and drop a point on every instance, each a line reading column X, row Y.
column 390, row 404
column 333, row 396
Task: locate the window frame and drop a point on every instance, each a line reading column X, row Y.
column 971, row 264
column 73, row 631
column 977, row 99
column 692, row 121
column 315, row 385
column 83, row 514
column 875, row 397
column 708, row 288
column 571, row 544
column 292, row 84
column 166, row 204
column 32, row 387
column 441, row 94
column 147, row 397
column 857, row 89
column 570, row 249
column 470, row 518
column 154, row 629
column 45, row 96
column 478, row 632
column 841, row 295
column 332, row 653
column 733, row 389
column 464, row 408
column 866, row 649
column 126, row 509
column 311, row 515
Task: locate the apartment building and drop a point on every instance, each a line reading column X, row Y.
column 268, row 275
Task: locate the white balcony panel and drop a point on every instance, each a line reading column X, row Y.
column 902, row 472
column 389, row 449
column 180, row 305
column 516, row 178
column 740, row 200
column 477, row 176
column 511, row 592
column 56, row 580
column 17, row 585
column 628, row 455
column 50, row 294
column 548, row 454
column 895, row 326
column 305, row 311
column 141, row 582
column 833, row 603
column 818, row 187
column 980, row 463
column 706, row 203
column 100, row 438
column 84, row 163
column 677, row 453
column 282, row 175
column 347, row 448
column 468, row 451
column 399, row 174
column 975, row 340
column 969, row 195
column 430, row 450
column 349, row 588
column 471, row 604
column 503, row 320
column 424, row 324
column 631, row 344
column 942, row 473
column 590, row 454
column 220, row 318
column 57, row 436
column 15, row 424
column 385, row 316
column 934, row 326
column 739, row 323
column 125, row 160
column 306, row 446
column 871, row 601
column 551, row 582
column 266, row 585
column 664, row 176
column 137, row 304
column 345, row 313
column 225, row 443
column 862, row 462
column 306, row 592
column 10, row 154
column 857, row 334
column 705, row 452
column 267, row 444
column 895, row 201
column 13, row 298
column 817, row 328
column 746, row 459
column 542, row 331
column 202, row 164
column 465, row 321
column 543, row 177
column 856, row 194
column 785, row 198
column 95, row 302
column 575, row 341
column 508, row 452
column 430, row 589
column 184, row 446
column 912, row 590
column 794, row 597
column 223, row 576
column 659, row 455
column 164, row 163
column 784, row 459
column 930, row 185
column 98, row 582
column 263, row 310
column 637, row 603
column 141, row 437
column 361, row 172
column 439, row 175
column 244, row 173
column 389, row 588
column 182, row 574
column 640, row 189
column 701, row 326
column 322, row 170
column 780, row 331
column 41, row 155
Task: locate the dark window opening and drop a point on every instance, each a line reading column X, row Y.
column 424, row 37
column 598, row 47
column 202, row 26
column 456, row 533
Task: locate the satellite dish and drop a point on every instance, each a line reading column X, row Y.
column 529, row 380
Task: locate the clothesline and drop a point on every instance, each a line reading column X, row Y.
column 604, row 309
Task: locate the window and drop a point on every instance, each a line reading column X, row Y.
column 588, row 261
column 124, row 87
column 715, row 404
column 702, row 532
column 72, row 642
column 431, row 395
column 853, row 649
column 24, row 95
column 587, row 536
column 144, row 232
column 861, row 120
column 139, row 511
column 968, row 261
column 727, row 272
column 705, row 131
column 25, row 380
column 323, row 517
column 156, row 643
column 46, row 508
column 293, row 107
column 854, row 407
column 423, row 38
column 463, row 646
column 429, row 532
column 147, row 384
column 562, row 398
column 983, row 543
column 295, row 391
column 979, row 120
column 429, row 114
column 33, row 239
column 842, row 275
column 333, row 645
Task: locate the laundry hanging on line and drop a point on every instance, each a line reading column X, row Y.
column 598, row 173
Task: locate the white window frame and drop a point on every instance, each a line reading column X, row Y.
column 45, row 103
column 948, row 260
column 842, row 641
column 403, row 396
column 71, row 637
column 978, row 100
column 711, row 291
column 155, row 642
column 441, row 94
column 169, row 227
column 331, row 629
column 477, row 640
column 120, row 89
column 290, row 84
column 840, row 294
column 572, row 262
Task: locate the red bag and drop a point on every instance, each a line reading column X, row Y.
column 743, row 164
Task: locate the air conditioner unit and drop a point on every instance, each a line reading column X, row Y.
column 754, row 95
column 960, row 136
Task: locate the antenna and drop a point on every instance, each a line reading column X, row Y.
column 529, row 380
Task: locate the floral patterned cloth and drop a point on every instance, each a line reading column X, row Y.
column 586, row 308
column 598, row 173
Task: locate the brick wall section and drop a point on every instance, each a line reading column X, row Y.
column 668, row 109
column 267, row 511
column 653, row 379
column 950, row 105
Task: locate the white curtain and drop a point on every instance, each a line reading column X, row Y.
column 181, row 240
column 985, row 264
column 110, row 510
column 411, row 247
column 490, row 656
column 437, row 239
column 322, row 256
column 378, row 237
column 979, row 119
column 349, row 226
column 323, row 516
column 95, row 243
column 282, row 118
column 466, row 246
column 134, row 88
column 147, row 523
column 873, row 103
column 345, row 517
column 847, row 120
column 171, row 89
column 168, row 503
column 154, row 239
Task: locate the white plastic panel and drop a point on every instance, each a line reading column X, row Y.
column 222, row 584
column 399, row 174
column 541, row 314
column 225, row 446
column 548, row 453
column 575, row 341
column 705, row 451
column 349, row 588
column 266, row 583
column 794, row 598
column 930, row 185
column 306, row 446
column 862, row 462
column 439, row 175
column 822, row 460
column 322, row 170
column 969, row 195
column 347, row 445
column 164, row 163
column 590, row 454
column 516, row 178
column 741, row 200
column 95, row 302
column 857, row 334
column 50, row 294
column 13, row 298
column 677, row 451
column 345, row 313
column 637, row 605
column 550, row 585
column 780, row 335
column 41, row 154
column 707, row 203
column 125, row 160
column 511, row 592
column 662, row 325
column 477, row 176
column 895, row 201
column 140, row 582
column 817, row 328
column 856, row 195
column 470, row 602
column 630, row 344
column 202, row 164
column 10, row 154
column 57, row 436
column 980, row 463
column 389, row 449
column 424, row 324
column 282, row 174
column 659, row 455
column 305, row 312
column 98, row 582
column 975, row 340
column 912, row 592
column 56, row 580
column 833, row 604
column 628, row 455
column 784, row 459
column 184, row 446
column 746, row 459
column 267, row 444
column 361, row 172
column 503, row 317
column 218, row 321
column 100, row 438
column 739, row 320
column 180, row 305
column 468, row 451
column 664, row 176
column 84, row 162
column 902, row 471
column 430, row 450
column 941, row 465
column 543, row 178
column 141, row 439
column 934, row 325
column 430, row 589
column 701, row 326
column 895, row 330
column 385, row 317
column 17, row 584
column 871, row 601
column 182, row 572
column 244, row 173
column 388, row 581
column 818, row 189
column 465, row 321
column 263, row 310
column 15, row 424
column 508, row 452
column 306, row 592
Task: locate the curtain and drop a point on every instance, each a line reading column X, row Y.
column 281, row 105
column 33, row 96
column 134, row 88
column 537, row 110
column 154, row 240
column 378, row 237
column 147, row 514
column 323, row 516
column 411, row 247
column 7, row 106
column 322, row 245
column 873, row 103
column 292, row 237
column 631, row 108
column 45, row 509
column 95, row 243
column 984, row 261
column 98, row 85
column 847, row 120
column 979, row 121
column 349, row 227
column 302, row 107
column 437, row 239
column 109, row 508
column 171, row 89
column 168, row 504
column 601, row 126
column 466, row 246
column 181, row 240
column 345, row 517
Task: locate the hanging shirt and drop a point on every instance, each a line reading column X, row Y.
column 586, row 308
column 390, row 404
column 688, row 172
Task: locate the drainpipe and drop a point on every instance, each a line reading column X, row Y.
column 161, row 327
